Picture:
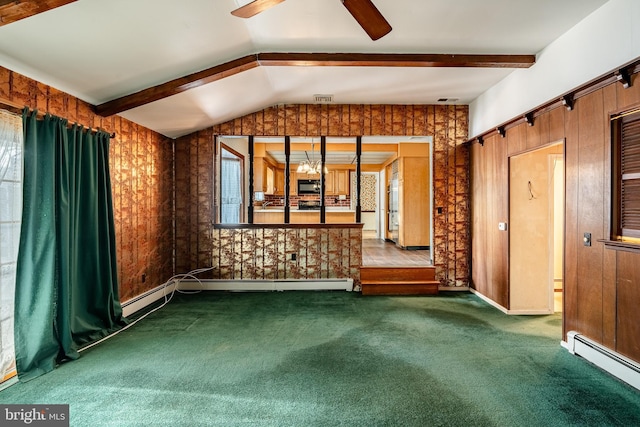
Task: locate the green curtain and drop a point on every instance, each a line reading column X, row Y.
column 66, row 284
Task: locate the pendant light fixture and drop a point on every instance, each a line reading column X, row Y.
column 310, row 166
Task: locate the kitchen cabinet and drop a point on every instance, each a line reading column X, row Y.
column 264, row 176
column 336, row 182
column 271, row 179
column 279, row 182
column 413, row 202
column 271, row 216
column 309, row 176
column 304, row 217
column 259, row 174
column 329, row 183
column 293, row 183
column 340, row 217
column 270, row 186
column 341, row 181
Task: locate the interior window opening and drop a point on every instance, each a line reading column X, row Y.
column 231, row 186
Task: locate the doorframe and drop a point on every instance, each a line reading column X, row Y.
column 382, row 204
column 510, row 310
column 553, row 158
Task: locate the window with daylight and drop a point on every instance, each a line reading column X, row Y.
column 626, row 176
column 231, row 184
column 10, row 219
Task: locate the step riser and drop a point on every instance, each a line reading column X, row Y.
column 398, row 280
column 397, row 274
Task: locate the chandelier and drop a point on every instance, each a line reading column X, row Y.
column 311, row 166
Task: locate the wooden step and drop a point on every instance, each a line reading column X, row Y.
column 397, row 273
column 393, row 280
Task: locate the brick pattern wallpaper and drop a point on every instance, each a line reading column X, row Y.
column 141, row 165
column 446, row 123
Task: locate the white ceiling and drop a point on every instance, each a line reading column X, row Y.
column 100, row 50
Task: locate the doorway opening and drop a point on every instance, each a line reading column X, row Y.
column 400, row 232
column 536, row 215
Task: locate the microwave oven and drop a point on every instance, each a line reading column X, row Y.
column 308, row 186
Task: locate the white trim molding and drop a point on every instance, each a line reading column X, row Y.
column 164, row 291
column 489, row 301
column 144, row 300
column 268, row 285
column 506, row 310
column 616, row 364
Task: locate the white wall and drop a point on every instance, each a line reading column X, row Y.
column 605, row 40
column 369, row 221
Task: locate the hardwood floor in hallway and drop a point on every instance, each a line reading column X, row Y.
column 378, row 252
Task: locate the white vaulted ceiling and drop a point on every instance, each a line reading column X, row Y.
column 101, row 50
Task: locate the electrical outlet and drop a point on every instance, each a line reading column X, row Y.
column 294, row 257
column 502, row 226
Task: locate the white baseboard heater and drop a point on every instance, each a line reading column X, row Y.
column 616, row 364
column 141, row 301
column 267, row 285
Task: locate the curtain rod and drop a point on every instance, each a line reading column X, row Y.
column 17, row 109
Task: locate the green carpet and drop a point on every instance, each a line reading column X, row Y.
column 334, row 358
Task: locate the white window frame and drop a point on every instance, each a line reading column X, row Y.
column 11, row 178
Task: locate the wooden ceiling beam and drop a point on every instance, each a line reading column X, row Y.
column 248, row 62
column 177, row 86
column 394, row 60
column 15, row 10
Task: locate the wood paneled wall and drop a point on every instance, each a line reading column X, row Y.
column 141, row 163
column 447, row 124
column 599, row 284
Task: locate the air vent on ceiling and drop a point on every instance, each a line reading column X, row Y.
column 323, row 99
column 447, row 99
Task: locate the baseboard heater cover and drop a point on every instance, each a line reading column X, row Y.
column 616, row 364
column 143, row 300
column 267, row 285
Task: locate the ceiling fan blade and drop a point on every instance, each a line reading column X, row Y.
column 369, row 17
column 255, row 7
